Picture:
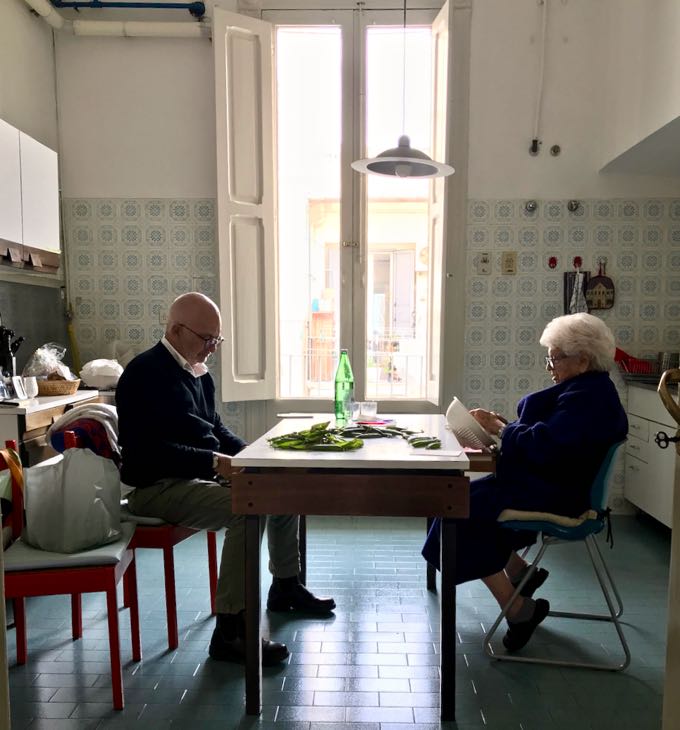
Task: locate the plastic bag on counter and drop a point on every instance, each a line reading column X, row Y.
column 46, row 362
column 101, row 374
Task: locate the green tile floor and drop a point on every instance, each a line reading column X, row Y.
column 374, row 665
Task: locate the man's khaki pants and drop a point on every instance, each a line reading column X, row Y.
column 206, row 505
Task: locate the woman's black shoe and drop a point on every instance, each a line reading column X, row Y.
column 519, row 632
column 539, row 577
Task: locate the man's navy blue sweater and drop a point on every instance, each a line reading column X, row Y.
column 168, row 426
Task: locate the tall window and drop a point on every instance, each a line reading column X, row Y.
column 355, row 255
column 313, row 256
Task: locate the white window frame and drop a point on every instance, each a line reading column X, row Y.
column 454, row 204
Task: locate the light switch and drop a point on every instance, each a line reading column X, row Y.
column 484, row 263
column 509, row 262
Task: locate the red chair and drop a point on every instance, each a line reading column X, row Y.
column 159, row 535
column 149, row 532
column 33, row 572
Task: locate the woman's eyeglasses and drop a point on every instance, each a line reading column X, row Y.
column 551, row 361
column 209, row 341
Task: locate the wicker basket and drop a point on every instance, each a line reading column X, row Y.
column 57, row 387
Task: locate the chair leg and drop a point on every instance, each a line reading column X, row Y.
column 126, row 597
column 212, row 567
column 76, row 616
column 130, row 588
column 431, row 574
column 170, row 597
column 20, row 625
column 302, row 547
column 114, row 646
column 601, row 572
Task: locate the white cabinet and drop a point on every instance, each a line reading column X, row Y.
column 10, row 184
column 39, row 195
column 29, row 202
column 650, row 470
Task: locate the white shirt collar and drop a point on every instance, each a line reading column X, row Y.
column 197, row 370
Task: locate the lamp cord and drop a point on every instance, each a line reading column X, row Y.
column 403, row 75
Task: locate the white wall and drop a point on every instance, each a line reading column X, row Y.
column 27, row 96
column 643, row 71
column 137, row 117
column 575, row 112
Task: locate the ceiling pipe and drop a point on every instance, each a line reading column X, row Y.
column 138, row 29
column 125, row 29
column 49, row 14
column 197, row 9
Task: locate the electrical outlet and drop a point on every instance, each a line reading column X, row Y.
column 484, row 263
column 509, row 262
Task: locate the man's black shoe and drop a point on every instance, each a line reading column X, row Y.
column 539, row 577
column 287, row 595
column 519, row 632
column 234, row 650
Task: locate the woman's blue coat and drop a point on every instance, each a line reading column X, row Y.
column 548, row 460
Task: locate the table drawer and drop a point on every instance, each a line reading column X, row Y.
column 638, row 427
column 45, row 418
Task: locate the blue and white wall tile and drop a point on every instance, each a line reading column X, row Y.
column 127, row 261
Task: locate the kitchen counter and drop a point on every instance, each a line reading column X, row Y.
column 27, row 422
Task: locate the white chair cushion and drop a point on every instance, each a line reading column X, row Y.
column 508, row 515
column 20, row 556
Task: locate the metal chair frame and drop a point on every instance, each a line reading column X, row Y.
column 553, row 534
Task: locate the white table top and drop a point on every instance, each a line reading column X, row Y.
column 379, row 453
column 42, row 402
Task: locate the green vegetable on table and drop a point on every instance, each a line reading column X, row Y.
column 348, row 438
column 317, row 438
column 419, row 441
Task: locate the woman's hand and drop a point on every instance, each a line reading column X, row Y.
column 488, row 420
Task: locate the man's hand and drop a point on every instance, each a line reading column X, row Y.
column 224, row 467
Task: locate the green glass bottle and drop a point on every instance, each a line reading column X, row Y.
column 344, row 388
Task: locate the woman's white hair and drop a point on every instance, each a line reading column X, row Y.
column 582, row 334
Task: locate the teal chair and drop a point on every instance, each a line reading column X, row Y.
column 578, row 530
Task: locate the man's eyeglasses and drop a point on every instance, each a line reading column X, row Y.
column 209, row 341
column 550, row 361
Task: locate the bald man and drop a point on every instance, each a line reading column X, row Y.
column 176, row 453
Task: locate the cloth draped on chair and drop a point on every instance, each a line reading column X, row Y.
column 96, row 427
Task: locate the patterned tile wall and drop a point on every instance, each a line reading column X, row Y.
column 127, row 261
column 506, row 314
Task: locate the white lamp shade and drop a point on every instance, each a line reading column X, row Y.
column 403, row 161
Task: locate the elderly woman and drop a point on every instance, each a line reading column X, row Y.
column 548, row 458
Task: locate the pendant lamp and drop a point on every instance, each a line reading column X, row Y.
column 403, row 160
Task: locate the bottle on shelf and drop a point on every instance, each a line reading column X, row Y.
column 344, row 388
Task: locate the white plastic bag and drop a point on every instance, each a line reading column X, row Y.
column 72, row 502
column 101, row 373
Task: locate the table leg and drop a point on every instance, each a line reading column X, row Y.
column 302, row 545
column 447, row 618
column 431, row 570
column 253, row 636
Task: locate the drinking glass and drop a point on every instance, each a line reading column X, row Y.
column 31, row 387
column 368, row 409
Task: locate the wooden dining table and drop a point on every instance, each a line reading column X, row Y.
column 385, row 477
